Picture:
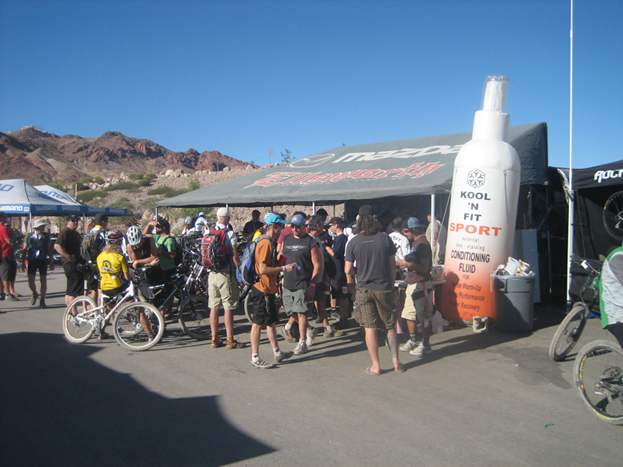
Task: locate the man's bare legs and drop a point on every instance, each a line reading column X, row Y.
column 372, row 342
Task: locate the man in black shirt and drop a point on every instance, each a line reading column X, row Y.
column 253, row 225
column 299, row 285
column 373, row 251
column 68, row 246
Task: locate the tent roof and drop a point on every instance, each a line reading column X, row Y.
column 610, row 174
column 368, row 171
column 80, row 207
column 21, row 198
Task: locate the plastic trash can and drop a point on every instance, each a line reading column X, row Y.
column 514, row 297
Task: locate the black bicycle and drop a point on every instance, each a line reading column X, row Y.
column 570, row 330
column 598, row 378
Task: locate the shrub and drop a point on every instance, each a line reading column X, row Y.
column 123, row 203
column 136, row 176
column 121, row 186
column 194, row 185
column 150, row 177
column 89, row 196
column 99, row 180
column 165, row 191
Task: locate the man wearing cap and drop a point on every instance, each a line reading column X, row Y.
column 299, row 284
column 262, row 294
column 223, row 289
column 253, row 225
column 166, row 249
column 418, row 306
column 201, row 223
column 68, row 246
column 37, row 249
column 373, row 253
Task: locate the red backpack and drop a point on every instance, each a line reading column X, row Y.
column 214, row 253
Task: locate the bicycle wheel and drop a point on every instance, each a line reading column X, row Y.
column 129, row 326
column 248, row 310
column 79, row 319
column 613, row 215
column 598, row 377
column 194, row 317
column 569, row 332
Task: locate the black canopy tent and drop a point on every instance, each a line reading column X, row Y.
column 592, row 187
column 364, row 172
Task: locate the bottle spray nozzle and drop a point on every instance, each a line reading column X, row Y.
column 494, row 95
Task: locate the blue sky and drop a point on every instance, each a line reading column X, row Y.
column 240, row 77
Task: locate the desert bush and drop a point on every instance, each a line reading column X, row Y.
column 121, row 186
column 91, row 195
column 145, row 181
column 99, row 180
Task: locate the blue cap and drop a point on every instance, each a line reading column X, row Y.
column 298, row 220
column 413, row 223
column 271, row 219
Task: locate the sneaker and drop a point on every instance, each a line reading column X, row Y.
column 42, row 304
column 33, row 298
column 333, row 332
column 288, row 334
column 12, row 298
column 409, row 346
column 2, row 296
column 311, row 336
column 283, row 356
column 421, row 350
column 262, row 364
column 301, row 348
column 341, row 325
column 216, row 343
column 103, row 335
column 318, row 320
column 235, row 344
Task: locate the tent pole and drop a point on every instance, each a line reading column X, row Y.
column 432, row 224
column 571, row 193
column 313, row 208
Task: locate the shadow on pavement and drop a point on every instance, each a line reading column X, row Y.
column 60, row 407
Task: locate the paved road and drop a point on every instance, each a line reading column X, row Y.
column 479, row 400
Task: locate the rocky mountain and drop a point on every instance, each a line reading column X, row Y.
column 41, row 157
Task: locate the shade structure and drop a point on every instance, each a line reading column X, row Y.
column 18, row 197
column 368, row 171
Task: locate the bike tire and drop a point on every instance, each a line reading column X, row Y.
column 598, row 378
column 613, row 215
column 569, row 332
column 194, row 317
column 79, row 327
column 248, row 311
column 130, row 332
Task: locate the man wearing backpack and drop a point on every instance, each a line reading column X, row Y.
column 262, row 294
column 38, row 250
column 222, row 284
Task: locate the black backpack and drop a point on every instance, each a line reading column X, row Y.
column 179, row 252
column 92, row 245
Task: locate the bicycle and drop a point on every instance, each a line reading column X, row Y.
column 613, row 215
column 570, row 330
column 192, row 309
column 598, row 378
column 83, row 317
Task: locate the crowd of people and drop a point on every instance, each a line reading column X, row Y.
column 355, row 265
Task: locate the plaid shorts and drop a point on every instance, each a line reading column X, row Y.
column 375, row 309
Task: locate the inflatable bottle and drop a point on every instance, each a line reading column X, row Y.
column 483, row 210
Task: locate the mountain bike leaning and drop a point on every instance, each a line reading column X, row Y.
column 598, row 368
column 136, row 325
column 570, row 330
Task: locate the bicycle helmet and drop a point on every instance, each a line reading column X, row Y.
column 134, row 235
column 113, row 236
column 188, row 221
